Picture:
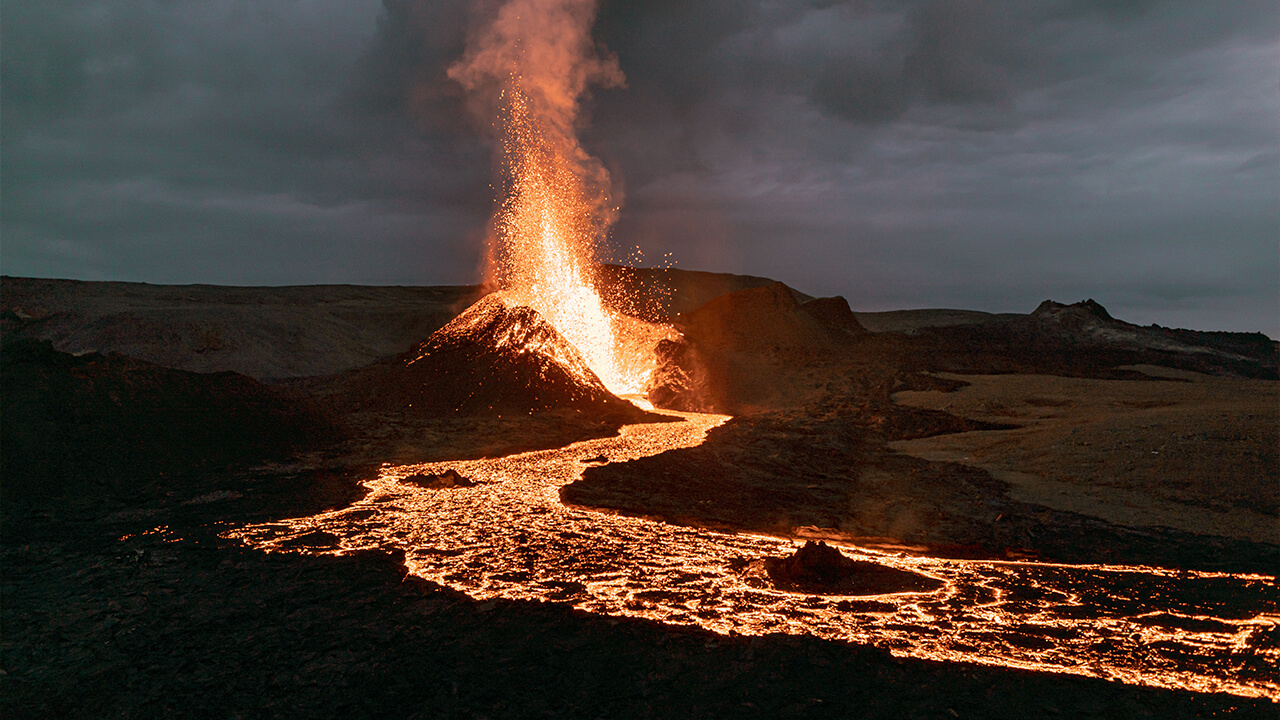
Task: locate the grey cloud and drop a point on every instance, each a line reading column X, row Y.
column 403, row 69
column 861, row 90
column 122, row 120
column 967, row 51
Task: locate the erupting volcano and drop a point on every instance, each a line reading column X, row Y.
column 580, row 490
column 555, row 208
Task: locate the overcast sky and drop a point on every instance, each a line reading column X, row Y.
column 982, row 155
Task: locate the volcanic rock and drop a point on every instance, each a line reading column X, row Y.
column 446, row 480
column 664, row 294
column 95, row 427
column 494, row 358
column 1086, row 308
column 755, row 318
column 670, row 386
column 746, row 350
column 821, row 569
column 834, row 313
column 1083, row 339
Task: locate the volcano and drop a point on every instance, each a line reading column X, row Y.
column 496, row 357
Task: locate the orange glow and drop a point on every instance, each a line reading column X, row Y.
column 511, row 537
column 546, row 235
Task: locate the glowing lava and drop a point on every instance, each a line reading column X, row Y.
column 510, row 536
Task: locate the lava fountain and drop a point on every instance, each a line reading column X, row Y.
column 526, row 72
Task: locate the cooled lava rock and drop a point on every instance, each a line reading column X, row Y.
column 1076, row 317
column 94, row 427
column 670, row 386
column 819, row 568
column 446, row 480
column 1083, row 339
column 745, row 350
column 834, row 313
column 755, row 318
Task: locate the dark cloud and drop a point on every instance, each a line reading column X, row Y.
column 861, row 90
column 900, row 152
column 219, row 141
column 967, row 52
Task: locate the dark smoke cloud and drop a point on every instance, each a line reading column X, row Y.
column 903, row 153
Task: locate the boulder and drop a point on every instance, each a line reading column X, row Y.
column 819, row 568
column 446, row 480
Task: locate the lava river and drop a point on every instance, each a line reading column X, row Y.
column 510, row 536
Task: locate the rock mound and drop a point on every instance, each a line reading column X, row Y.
column 835, row 315
column 664, row 294
column 1084, row 339
column 670, row 386
column 1084, row 309
column 756, row 318
column 743, row 350
column 821, row 569
column 446, row 480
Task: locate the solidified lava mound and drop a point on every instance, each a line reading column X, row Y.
column 1083, row 340
column 819, row 568
column 95, row 426
column 446, row 480
column 741, row 349
column 835, row 314
column 493, row 358
column 760, row 317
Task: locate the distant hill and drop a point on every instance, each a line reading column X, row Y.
column 291, row 332
column 272, row 333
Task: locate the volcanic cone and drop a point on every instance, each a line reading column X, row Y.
column 497, row 357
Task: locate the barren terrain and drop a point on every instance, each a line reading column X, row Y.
column 1192, row 452
column 1063, row 435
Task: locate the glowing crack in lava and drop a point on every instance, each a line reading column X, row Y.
column 509, row 536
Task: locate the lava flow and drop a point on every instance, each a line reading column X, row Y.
column 496, row 527
column 509, row 536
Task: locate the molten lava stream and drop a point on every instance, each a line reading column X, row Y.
column 509, row 536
